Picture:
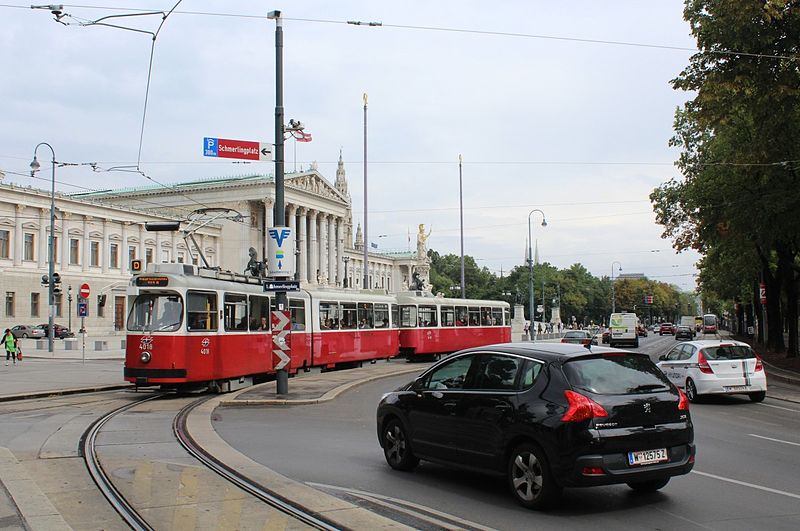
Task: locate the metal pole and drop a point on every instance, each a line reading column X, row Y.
column 613, row 290
column 531, row 299
column 69, row 300
column 279, row 214
column 461, row 213
column 543, row 312
column 366, row 238
column 51, row 267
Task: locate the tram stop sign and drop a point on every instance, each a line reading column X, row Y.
column 84, row 291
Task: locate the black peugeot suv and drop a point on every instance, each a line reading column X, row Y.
column 547, row 416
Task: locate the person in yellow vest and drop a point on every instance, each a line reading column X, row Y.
column 10, row 342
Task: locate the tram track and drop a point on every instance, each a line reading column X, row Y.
column 133, row 515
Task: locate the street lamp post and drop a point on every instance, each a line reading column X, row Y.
column 69, row 300
column 51, row 267
column 345, row 259
column 461, row 214
column 613, row 293
column 531, row 300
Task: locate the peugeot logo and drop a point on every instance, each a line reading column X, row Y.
column 647, row 407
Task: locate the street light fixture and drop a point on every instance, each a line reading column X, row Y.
column 613, row 293
column 52, row 254
column 531, row 301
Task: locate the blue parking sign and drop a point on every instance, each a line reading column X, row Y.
column 210, row 147
column 83, row 309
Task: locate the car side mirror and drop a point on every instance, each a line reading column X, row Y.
column 662, row 357
column 417, row 385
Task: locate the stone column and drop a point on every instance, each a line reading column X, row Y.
column 123, row 266
column 313, row 248
column 332, row 249
column 323, row 248
column 340, row 251
column 142, row 247
column 65, row 240
column 44, row 223
column 173, row 252
column 157, row 253
column 291, row 211
column 19, row 235
column 84, row 260
column 268, row 203
column 105, row 254
column 302, row 258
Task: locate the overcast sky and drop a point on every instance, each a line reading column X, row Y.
column 578, row 129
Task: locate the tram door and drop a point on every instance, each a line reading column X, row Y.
column 119, row 313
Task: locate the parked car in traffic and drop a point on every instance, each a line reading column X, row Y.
column 26, row 331
column 641, row 330
column 666, row 328
column 581, row 337
column 60, row 332
column 684, row 332
column 715, row 367
column 607, row 335
column 544, row 415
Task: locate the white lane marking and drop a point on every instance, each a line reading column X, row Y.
column 751, row 485
column 779, row 407
column 771, row 439
column 404, row 502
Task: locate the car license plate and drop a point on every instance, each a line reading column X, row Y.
column 736, row 387
column 647, row 457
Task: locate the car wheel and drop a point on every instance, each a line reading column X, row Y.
column 396, row 448
column 757, row 396
column 530, row 479
column 648, row 486
column 691, row 390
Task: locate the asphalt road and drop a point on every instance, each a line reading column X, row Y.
column 746, row 476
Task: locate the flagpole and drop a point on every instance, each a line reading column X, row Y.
column 461, row 212
column 366, row 237
column 295, row 153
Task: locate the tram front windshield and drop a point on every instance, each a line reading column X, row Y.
column 156, row 312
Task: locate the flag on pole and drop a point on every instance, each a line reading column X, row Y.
column 373, row 245
column 302, row 136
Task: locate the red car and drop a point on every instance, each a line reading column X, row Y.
column 666, row 328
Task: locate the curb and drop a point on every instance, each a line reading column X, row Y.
column 327, row 397
column 64, row 392
column 782, row 375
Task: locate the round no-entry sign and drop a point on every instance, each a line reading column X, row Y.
column 84, row 292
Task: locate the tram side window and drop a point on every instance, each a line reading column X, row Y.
column 497, row 316
column 259, row 313
column 427, row 316
column 408, row 316
column 474, row 316
column 328, row 315
column 381, row 316
column 156, row 313
column 235, row 314
column 395, row 315
column 349, row 318
column 486, row 316
column 462, row 317
column 297, row 309
column 448, row 316
column 366, row 315
column 201, row 311
column 506, row 316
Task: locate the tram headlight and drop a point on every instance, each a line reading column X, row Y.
column 145, row 357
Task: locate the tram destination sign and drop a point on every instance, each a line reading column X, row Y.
column 282, row 285
column 153, row 282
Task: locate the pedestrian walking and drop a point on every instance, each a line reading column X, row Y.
column 527, row 329
column 10, row 342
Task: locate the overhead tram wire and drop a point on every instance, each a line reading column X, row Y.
column 442, row 29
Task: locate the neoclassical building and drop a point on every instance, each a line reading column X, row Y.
column 328, row 253
column 97, row 235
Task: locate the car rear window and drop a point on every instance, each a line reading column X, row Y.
column 616, row 374
column 729, row 352
column 575, row 334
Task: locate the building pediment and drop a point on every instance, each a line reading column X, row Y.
column 314, row 183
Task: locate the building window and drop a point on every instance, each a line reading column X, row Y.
column 74, row 247
column 114, row 260
column 34, row 305
column 164, row 256
column 9, row 304
column 131, row 254
column 59, row 304
column 148, row 255
column 27, row 247
column 101, row 306
column 5, row 240
column 94, row 252
column 180, row 257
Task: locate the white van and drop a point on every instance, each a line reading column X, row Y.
column 623, row 329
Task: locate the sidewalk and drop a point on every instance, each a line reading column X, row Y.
column 35, row 378
column 95, row 348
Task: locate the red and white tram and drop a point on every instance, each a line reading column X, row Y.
column 435, row 325
column 196, row 327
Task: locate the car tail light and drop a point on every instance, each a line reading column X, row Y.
column 563, row 339
column 759, row 364
column 683, row 403
column 593, row 471
column 581, row 408
column 691, row 459
column 703, row 365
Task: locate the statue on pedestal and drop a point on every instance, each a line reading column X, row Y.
column 255, row 267
column 422, row 239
